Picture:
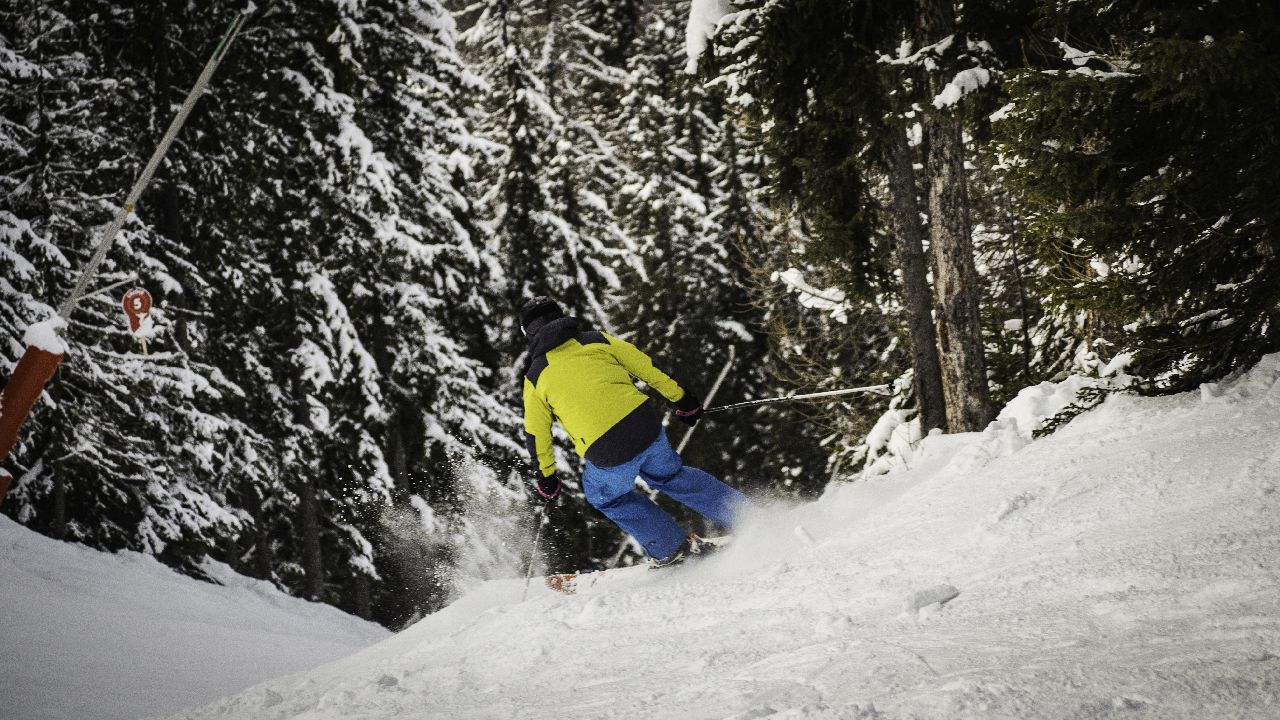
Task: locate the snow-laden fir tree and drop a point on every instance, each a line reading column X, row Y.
column 277, row 298
column 1142, row 158
column 693, row 209
column 871, row 122
column 427, row 285
column 834, row 126
column 552, row 227
column 355, row 268
column 125, row 452
column 549, row 183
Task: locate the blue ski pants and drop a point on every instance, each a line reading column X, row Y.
column 612, row 491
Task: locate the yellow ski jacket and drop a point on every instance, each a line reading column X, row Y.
column 583, row 378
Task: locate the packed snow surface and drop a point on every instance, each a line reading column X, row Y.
column 1125, row 567
column 96, row 636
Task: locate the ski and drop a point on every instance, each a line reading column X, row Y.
column 574, row 582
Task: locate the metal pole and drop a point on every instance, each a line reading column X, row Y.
column 533, row 555
column 109, row 288
column 877, row 389
column 715, row 387
column 91, row 270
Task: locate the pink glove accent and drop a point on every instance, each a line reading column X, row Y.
column 687, row 413
column 545, row 496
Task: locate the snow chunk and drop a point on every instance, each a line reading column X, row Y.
column 704, row 20
column 1003, row 113
column 831, row 299
column 936, row 595
column 965, row 82
column 1117, row 365
column 44, row 335
column 736, row 329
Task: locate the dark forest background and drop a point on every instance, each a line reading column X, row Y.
column 844, row 193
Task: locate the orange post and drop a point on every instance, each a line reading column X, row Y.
column 34, row 370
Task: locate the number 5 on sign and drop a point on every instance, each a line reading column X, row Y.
column 137, row 307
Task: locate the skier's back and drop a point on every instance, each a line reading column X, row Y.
column 583, row 378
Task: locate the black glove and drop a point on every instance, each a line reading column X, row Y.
column 548, row 488
column 689, row 409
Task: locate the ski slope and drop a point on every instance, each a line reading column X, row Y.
column 87, row 635
column 1125, row 567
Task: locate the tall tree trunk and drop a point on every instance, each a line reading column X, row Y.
column 397, row 454
column 59, row 525
column 312, row 560
column 262, row 550
column 364, row 596
column 964, row 367
column 916, row 299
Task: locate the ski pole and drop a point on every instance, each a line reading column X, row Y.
column 533, row 555
column 876, row 389
column 715, row 387
column 91, row 270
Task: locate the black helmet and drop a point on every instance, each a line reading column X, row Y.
column 538, row 312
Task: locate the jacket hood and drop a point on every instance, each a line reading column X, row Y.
column 553, row 334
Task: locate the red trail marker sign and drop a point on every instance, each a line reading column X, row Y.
column 137, row 307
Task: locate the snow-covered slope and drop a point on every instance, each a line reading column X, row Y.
column 92, row 635
column 1126, row 567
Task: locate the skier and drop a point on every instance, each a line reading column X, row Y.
column 584, row 378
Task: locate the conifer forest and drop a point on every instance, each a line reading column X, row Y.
column 957, row 200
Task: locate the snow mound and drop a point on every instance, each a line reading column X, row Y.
column 92, row 635
column 1262, row 381
column 1125, row 566
column 1016, row 424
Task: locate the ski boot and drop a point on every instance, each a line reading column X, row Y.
column 694, row 546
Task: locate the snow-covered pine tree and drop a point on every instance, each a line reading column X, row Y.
column 126, row 454
column 1030, row 337
column 833, row 127
column 821, row 114
column 302, row 178
column 426, row 286
column 552, row 230
column 352, row 265
column 1142, row 159
column 693, row 211
column 550, row 181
